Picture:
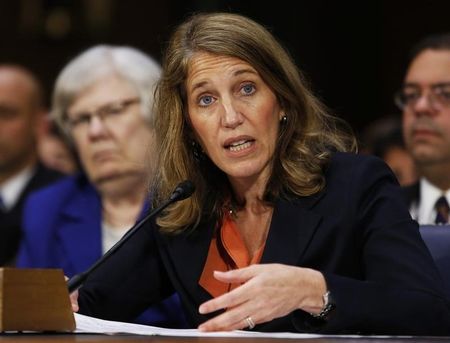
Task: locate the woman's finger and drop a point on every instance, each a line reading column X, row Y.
column 233, row 319
column 226, row 301
column 74, row 301
column 237, row 275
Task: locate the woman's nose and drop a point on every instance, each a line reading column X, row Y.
column 232, row 116
column 96, row 126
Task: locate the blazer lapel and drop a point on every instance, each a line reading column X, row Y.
column 81, row 235
column 292, row 222
column 292, row 227
column 189, row 251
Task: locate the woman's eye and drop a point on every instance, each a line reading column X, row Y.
column 248, row 89
column 206, row 100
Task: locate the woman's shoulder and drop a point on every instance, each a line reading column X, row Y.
column 345, row 161
column 352, row 168
column 61, row 189
column 353, row 158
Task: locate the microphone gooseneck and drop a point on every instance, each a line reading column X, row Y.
column 183, row 191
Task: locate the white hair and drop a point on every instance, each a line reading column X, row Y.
column 135, row 67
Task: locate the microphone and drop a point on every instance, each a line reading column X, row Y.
column 183, row 191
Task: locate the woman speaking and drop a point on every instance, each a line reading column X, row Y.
column 288, row 229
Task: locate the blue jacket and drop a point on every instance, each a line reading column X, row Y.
column 62, row 229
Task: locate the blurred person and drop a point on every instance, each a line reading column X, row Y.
column 393, row 151
column 21, row 121
column 55, row 152
column 384, row 138
column 378, row 128
column 288, row 228
column 102, row 100
column 425, row 101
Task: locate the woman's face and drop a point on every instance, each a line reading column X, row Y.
column 234, row 114
column 110, row 134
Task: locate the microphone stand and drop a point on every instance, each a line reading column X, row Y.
column 182, row 191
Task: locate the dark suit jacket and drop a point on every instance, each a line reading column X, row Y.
column 357, row 231
column 411, row 193
column 11, row 221
column 62, row 229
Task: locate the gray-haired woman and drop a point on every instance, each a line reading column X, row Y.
column 103, row 101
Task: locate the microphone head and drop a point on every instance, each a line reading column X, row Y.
column 183, row 191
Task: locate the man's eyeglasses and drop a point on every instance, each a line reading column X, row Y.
column 106, row 113
column 438, row 96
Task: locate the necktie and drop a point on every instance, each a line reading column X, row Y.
column 442, row 211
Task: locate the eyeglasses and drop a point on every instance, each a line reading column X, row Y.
column 106, row 113
column 438, row 96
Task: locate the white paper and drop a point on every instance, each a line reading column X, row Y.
column 87, row 324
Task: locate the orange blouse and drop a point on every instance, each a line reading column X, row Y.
column 227, row 251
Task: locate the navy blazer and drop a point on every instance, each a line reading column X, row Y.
column 62, row 229
column 357, row 231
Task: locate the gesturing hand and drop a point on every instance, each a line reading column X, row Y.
column 74, row 301
column 73, row 298
column 269, row 291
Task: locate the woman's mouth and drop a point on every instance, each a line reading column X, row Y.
column 239, row 145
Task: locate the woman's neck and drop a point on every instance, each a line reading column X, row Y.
column 253, row 223
column 249, row 194
column 252, row 214
column 122, row 211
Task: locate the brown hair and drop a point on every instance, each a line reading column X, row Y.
column 304, row 144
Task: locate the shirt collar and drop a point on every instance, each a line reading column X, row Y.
column 429, row 194
column 11, row 190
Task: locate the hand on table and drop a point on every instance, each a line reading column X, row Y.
column 73, row 298
column 268, row 291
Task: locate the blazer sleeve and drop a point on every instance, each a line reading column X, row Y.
column 128, row 282
column 401, row 291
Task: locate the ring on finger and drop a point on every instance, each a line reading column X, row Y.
column 250, row 322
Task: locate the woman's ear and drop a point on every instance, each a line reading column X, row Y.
column 283, row 118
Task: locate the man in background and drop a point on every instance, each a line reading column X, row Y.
column 22, row 118
column 384, row 138
column 425, row 101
